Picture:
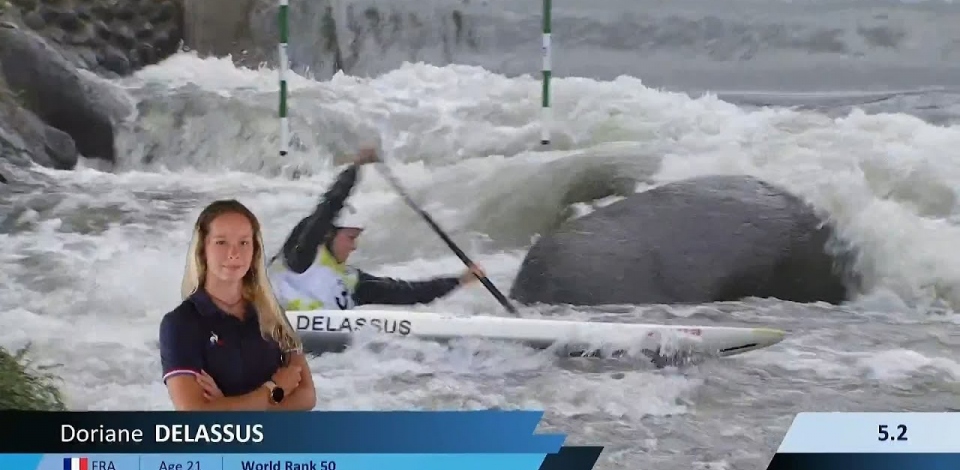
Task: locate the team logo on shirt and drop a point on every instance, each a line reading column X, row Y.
column 343, row 297
column 215, row 340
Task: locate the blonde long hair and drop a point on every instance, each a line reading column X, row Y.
column 256, row 284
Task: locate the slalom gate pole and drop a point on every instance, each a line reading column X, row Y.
column 545, row 115
column 284, row 17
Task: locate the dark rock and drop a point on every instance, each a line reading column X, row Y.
column 102, row 11
column 25, row 5
column 56, row 35
column 24, row 138
column 114, row 61
column 61, row 149
column 144, row 32
column 125, row 11
column 84, row 12
column 133, row 55
column 70, row 21
column 163, row 12
column 146, row 53
column 34, row 21
column 81, row 36
column 14, row 154
column 103, row 31
column 164, row 43
column 49, row 112
column 52, row 15
column 123, row 36
column 88, row 56
column 53, row 90
column 714, row 238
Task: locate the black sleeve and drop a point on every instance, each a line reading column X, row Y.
column 387, row 291
column 301, row 247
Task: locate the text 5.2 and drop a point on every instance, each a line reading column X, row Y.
column 897, row 433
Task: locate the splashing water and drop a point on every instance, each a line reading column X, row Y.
column 90, row 260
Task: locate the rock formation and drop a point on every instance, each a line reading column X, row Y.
column 107, row 36
column 50, row 112
column 713, row 238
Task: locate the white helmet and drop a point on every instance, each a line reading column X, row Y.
column 349, row 217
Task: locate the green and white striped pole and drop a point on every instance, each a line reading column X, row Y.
column 284, row 38
column 545, row 115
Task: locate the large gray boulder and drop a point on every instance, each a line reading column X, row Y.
column 44, row 83
column 713, row 238
column 24, row 137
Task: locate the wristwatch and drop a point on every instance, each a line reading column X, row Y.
column 276, row 393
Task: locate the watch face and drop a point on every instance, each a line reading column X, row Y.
column 277, row 394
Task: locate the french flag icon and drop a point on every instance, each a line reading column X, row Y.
column 76, row 463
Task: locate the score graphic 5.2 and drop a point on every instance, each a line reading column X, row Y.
column 892, row 433
column 872, row 432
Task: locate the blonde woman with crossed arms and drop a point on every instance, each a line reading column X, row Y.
column 228, row 345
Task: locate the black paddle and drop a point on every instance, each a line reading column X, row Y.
column 385, row 170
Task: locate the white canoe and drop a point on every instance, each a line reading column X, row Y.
column 335, row 330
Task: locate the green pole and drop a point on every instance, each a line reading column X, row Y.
column 284, row 38
column 545, row 117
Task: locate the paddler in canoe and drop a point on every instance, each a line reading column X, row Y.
column 311, row 270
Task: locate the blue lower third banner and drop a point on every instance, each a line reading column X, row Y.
column 341, row 432
column 340, row 440
column 568, row 458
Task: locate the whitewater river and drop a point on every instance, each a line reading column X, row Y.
column 90, row 260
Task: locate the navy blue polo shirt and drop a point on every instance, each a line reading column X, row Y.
column 198, row 335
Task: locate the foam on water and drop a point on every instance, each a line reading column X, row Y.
column 864, row 170
column 90, row 295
